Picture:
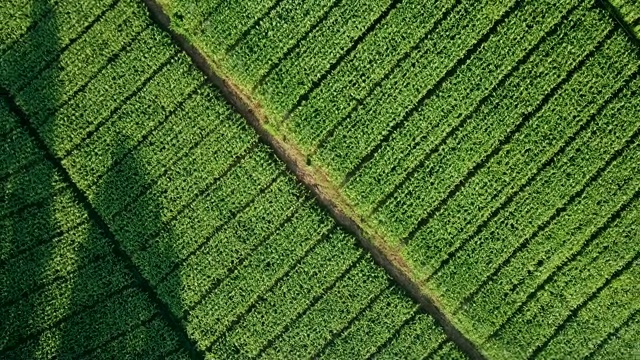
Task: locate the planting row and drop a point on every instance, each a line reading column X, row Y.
column 65, row 292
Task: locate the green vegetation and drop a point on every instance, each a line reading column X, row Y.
column 142, row 217
column 629, row 11
column 494, row 144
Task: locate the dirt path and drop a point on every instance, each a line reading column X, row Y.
column 316, row 181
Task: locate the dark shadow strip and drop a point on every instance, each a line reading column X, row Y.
column 82, row 310
column 452, row 69
column 86, row 354
column 389, row 72
column 441, row 143
column 96, row 127
column 206, row 188
column 125, row 155
column 141, row 282
column 56, row 57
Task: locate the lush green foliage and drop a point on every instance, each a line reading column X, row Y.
column 494, row 143
column 630, row 12
column 162, row 211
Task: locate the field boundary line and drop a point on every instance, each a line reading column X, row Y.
column 618, row 18
column 317, row 182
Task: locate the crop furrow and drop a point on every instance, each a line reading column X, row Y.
column 322, row 352
column 230, row 261
column 252, row 26
column 345, row 89
column 116, row 106
column 275, row 283
column 366, row 332
column 322, row 51
column 617, row 294
column 545, row 196
column 393, row 336
column 331, row 313
column 88, row 166
column 613, row 334
column 596, row 261
column 289, row 51
column 431, row 64
column 420, row 136
column 420, row 336
column 469, row 149
column 488, row 191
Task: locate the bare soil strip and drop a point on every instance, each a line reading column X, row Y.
column 317, row 182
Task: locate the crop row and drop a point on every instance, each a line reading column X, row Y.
column 530, row 266
column 374, row 58
column 572, row 285
column 412, row 80
column 630, row 12
column 272, row 37
column 293, row 74
column 64, row 291
column 515, row 103
column 492, row 141
column 551, row 189
column 224, row 26
column 18, row 18
column 406, row 84
column 459, row 96
column 34, row 51
column 537, row 142
column 591, row 326
column 623, row 343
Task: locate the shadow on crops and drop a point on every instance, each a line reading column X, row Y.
column 28, row 220
column 63, row 291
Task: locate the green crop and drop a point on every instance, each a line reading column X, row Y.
column 141, row 216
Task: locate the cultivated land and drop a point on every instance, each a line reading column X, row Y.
column 491, row 146
column 143, row 217
column 629, row 13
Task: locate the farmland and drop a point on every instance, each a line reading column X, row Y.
column 143, row 217
column 336, row 179
column 492, row 146
column 629, row 13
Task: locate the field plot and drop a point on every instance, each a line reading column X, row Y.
column 493, row 145
column 142, row 216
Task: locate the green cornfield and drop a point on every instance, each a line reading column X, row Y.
column 488, row 151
